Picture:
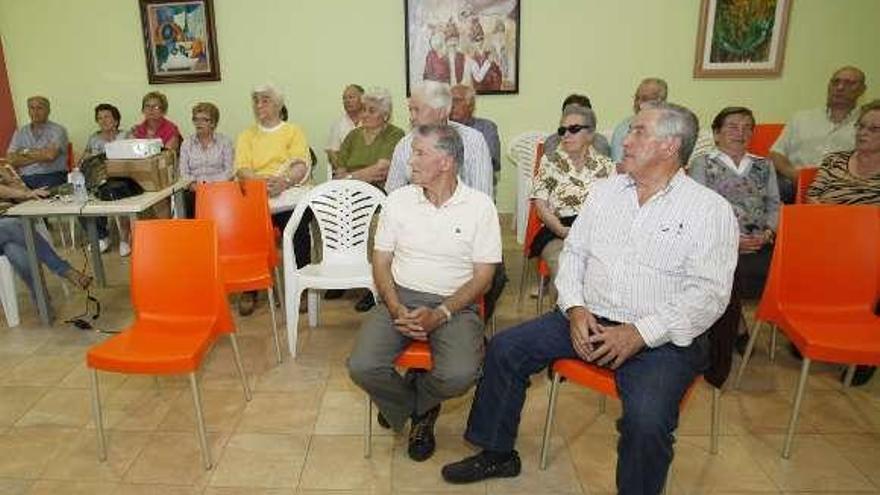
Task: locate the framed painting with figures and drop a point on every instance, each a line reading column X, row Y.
column 741, row 38
column 180, row 41
column 472, row 42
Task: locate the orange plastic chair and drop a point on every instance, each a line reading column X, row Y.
column 180, row 310
column 416, row 356
column 246, row 247
column 533, row 226
column 823, row 285
column 763, row 138
column 805, row 177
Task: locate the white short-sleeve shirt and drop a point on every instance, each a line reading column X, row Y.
column 435, row 248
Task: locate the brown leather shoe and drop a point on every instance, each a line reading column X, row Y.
column 247, row 301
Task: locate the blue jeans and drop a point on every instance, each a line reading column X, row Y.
column 650, row 384
column 12, row 246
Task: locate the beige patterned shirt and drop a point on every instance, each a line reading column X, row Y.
column 565, row 188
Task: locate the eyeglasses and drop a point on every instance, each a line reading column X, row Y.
column 573, row 129
column 873, row 129
column 197, row 120
column 152, row 106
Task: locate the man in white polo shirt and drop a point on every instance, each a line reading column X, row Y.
column 436, row 248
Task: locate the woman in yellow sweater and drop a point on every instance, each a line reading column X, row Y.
column 277, row 152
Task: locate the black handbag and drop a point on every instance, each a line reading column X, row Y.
column 118, row 188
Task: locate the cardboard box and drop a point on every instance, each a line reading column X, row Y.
column 153, row 174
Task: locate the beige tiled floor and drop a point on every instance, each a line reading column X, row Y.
column 302, row 432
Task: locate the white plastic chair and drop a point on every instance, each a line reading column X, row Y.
column 343, row 210
column 521, row 151
column 7, row 293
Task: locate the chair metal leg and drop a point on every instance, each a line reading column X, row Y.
column 848, row 377
column 523, row 280
column 275, row 337
column 200, row 421
column 314, row 305
column 603, row 404
column 541, row 291
column 716, row 421
column 772, row 351
column 798, row 398
column 750, row 347
column 96, row 412
column 548, row 422
column 236, row 355
column 368, row 428
column 278, row 282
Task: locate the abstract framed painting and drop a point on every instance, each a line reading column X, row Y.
column 180, row 41
column 472, row 42
column 741, row 38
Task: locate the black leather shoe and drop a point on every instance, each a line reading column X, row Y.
column 247, row 301
column 862, row 375
column 382, row 421
column 365, row 304
column 482, row 466
column 421, row 435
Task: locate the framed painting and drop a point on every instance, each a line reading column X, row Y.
column 472, row 42
column 180, row 41
column 741, row 38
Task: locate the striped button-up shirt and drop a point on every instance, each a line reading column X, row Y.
column 209, row 164
column 476, row 172
column 665, row 266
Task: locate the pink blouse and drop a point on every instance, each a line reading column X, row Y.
column 166, row 131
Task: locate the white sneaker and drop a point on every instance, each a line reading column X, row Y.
column 104, row 244
column 124, row 249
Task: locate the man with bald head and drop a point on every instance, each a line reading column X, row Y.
column 812, row 134
column 39, row 149
column 650, row 90
column 351, row 103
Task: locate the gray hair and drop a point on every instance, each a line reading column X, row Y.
column 381, row 97
column 470, row 94
column 41, row 99
column 664, row 89
column 269, row 90
column 676, row 121
column 588, row 114
column 448, row 141
column 434, row 94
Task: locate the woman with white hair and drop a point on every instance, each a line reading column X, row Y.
column 277, row 152
column 272, row 149
column 366, row 151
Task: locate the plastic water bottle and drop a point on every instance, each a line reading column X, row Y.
column 78, row 180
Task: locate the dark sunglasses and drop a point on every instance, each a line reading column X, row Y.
column 574, row 129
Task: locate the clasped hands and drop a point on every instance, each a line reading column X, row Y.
column 603, row 345
column 417, row 323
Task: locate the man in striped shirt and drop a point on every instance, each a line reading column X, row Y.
column 430, row 104
column 646, row 269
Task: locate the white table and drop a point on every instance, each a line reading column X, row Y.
column 31, row 211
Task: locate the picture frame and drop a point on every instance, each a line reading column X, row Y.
column 180, row 41
column 741, row 39
column 463, row 42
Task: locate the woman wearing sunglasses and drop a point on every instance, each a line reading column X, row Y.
column 563, row 182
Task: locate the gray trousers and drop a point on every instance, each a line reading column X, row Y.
column 456, row 348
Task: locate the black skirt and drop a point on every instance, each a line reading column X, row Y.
column 545, row 235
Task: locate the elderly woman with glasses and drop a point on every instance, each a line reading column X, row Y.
column 563, row 181
column 852, row 177
column 277, row 152
column 205, row 156
column 366, row 151
column 154, row 106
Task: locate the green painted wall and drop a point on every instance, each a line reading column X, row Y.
column 81, row 52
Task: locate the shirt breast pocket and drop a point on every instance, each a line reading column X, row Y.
column 665, row 250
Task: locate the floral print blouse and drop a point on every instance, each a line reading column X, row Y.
column 565, row 188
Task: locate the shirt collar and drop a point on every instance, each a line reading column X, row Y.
column 628, row 183
column 458, row 195
column 717, row 153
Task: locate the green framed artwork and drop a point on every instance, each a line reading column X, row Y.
column 741, row 38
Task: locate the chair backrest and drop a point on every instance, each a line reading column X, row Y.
column 240, row 211
column 763, row 138
column 174, row 269
column 805, row 177
column 828, row 256
column 343, row 210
